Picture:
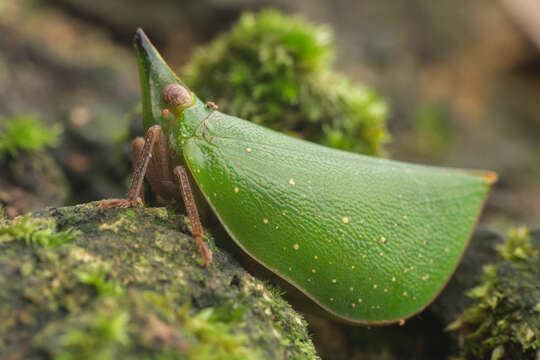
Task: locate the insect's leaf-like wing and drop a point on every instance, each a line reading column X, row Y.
column 370, row 240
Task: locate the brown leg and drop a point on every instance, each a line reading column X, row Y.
column 191, row 210
column 135, row 190
column 137, row 146
column 160, row 171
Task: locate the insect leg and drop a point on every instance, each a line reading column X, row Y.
column 191, row 210
column 137, row 146
column 160, row 172
column 134, row 195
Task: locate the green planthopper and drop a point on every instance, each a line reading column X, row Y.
column 372, row 241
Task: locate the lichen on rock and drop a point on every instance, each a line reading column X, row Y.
column 129, row 285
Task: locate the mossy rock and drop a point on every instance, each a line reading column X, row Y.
column 504, row 320
column 30, row 177
column 128, row 284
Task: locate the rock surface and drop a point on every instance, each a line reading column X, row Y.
column 128, row 284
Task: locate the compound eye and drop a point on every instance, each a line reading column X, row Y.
column 176, row 95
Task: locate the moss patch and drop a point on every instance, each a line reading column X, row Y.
column 26, row 133
column 35, row 232
column 504, row 321
column 130, row 286
column 274, row 70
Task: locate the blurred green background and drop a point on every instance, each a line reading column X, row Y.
column 451, row 83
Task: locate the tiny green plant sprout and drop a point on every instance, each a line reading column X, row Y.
column 372, row 241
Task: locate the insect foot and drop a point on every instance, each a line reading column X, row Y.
column 119, row 203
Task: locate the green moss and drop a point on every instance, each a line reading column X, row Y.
column 518, row 245
column 35, row 232
column 109, row 331
column 97, row 279
column 95, row 338
column 215, row 339
column 504, row 321
column 26, row 133
column 275, row 70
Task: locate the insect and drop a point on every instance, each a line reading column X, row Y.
column 372, row 241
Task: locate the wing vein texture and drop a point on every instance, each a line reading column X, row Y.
column 369, row 239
